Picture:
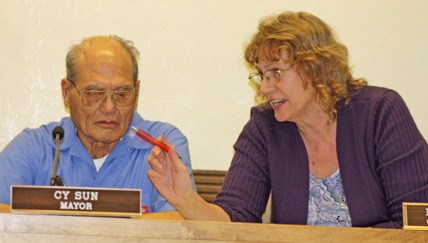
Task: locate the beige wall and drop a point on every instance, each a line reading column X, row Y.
column 192, row 70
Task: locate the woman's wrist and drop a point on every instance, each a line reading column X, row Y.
column 190, row 206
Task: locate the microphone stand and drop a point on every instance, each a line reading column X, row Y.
column 56, row 180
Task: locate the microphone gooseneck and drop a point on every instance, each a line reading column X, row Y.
column 58, row 134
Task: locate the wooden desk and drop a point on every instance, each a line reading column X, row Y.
column 4, row 208
column 41, row 228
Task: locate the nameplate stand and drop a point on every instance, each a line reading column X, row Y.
column 415, row 216
column 85, row 201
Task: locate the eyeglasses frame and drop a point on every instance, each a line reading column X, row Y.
column 261, row 75
column 109, row 93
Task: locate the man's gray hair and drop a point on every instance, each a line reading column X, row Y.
column 73, row 54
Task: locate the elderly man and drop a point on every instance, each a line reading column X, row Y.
column 101, row 92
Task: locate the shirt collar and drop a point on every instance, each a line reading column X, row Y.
column 131, row 139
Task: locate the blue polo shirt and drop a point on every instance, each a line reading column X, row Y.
column 28, row 160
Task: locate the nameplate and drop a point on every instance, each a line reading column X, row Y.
column 89, row 201
column 415, row 216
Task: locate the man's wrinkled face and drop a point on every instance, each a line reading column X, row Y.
column 102, row 66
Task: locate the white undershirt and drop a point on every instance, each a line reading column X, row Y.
column 99, row 162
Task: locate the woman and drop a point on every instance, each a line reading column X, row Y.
column 331, row 149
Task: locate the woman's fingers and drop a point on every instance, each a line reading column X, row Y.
column 156, row 158
column 176, row 159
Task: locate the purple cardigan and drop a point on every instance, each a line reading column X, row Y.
column 383, row 161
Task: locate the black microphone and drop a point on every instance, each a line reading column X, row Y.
column 58, row 134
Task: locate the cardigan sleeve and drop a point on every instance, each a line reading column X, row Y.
column 246, row 188
column 401, row 155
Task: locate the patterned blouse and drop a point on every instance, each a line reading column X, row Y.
column 327, row 202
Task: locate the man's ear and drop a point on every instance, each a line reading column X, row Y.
column 65, row 89
column 137, row 90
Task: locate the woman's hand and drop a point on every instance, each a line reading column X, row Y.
column 170, row 176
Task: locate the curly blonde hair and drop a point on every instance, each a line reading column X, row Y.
column 312, row 46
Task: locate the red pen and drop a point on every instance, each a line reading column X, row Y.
column 144, row 135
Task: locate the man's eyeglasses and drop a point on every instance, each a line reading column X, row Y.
column 272, row 76
column 93, row 98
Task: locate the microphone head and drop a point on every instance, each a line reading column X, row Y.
column 58, row 130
